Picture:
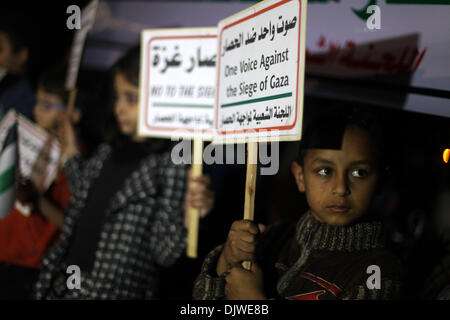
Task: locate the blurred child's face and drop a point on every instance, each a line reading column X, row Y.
column 10, row 60
column 48, row 110
column 126, row 105
column 339, row 184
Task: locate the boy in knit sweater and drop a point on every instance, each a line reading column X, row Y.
column 336, row 249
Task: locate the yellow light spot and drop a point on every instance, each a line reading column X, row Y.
column 446, row 155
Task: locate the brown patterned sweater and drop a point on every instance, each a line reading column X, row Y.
column 315, row 261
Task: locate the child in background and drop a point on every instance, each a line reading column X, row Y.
column 25, row 239
column 15, row 89
column 330, row 252
column 125, row 220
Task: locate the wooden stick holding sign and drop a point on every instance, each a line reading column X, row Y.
column 194, row 213
column 76, row 52
column 250, row 187
column 71, row 102
column 70, row 105
column 177, row 91
column 260, row 76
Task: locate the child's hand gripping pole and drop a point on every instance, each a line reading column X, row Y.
column 196, row 171
column 250, row 187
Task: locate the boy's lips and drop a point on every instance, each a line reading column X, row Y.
column 338, row 208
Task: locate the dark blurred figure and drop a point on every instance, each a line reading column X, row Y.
column 15, row 89
column 437, row 281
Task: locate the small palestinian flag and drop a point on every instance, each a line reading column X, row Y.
column 8, row 163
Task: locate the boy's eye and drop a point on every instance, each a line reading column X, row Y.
column 48, row 106
column 132, row 99
column 43, row 104
column 324, row 172
column 359, row 173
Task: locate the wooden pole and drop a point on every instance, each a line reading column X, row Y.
column 71, row 102
column 250, row 187
column 69, row 109
column 196, row 171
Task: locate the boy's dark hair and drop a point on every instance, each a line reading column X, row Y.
column 52, row 81
column 17, row 33
column 327, row 132
column 128, row 65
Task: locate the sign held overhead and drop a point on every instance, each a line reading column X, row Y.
column 260, row 76
column 178, row 71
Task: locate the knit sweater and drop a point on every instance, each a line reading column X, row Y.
column 315, row 261
column 142, row 231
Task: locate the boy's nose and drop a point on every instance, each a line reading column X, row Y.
column 119, row 106
column 341, row 186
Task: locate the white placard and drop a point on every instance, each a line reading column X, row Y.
column 178, row 76
column 260, row 73
column 38, row 154
column 8, row 120
column 87, row 22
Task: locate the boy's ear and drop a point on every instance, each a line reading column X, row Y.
column 75, row 116
column 24, row 55
column 297, row 172
column 20, row 59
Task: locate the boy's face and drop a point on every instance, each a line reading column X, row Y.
column 339, row 184
column 10, row 60
column 48, row 110
column 6, row 52
column 126, row 105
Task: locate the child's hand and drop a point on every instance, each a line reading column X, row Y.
column 245, row 284
column 26, row 193
column 199, row 195
column 240, row 245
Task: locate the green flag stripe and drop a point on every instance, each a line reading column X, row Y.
column 182, row 105
column 7, row 179
column 274, row 97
